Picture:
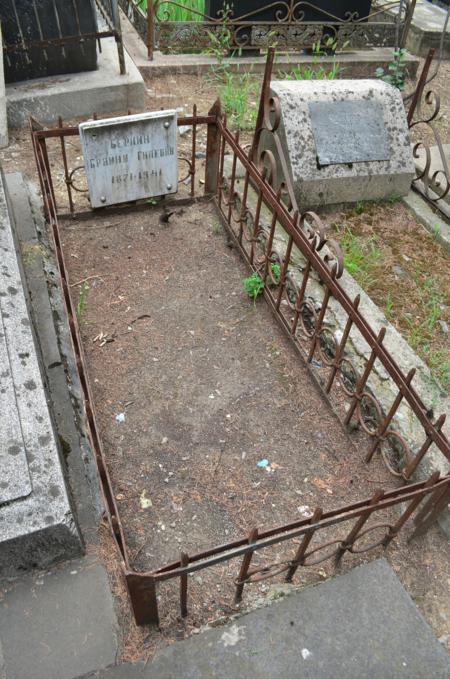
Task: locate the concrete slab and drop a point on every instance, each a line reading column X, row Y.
column 3, row 121
column 79, row 94
column 37, row 529
column 362, row 624
column 55, row 349
column 429, row 218
column 57, row 625
column 426, row 29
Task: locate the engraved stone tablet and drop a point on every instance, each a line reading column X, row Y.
column 131, row 157
column 348, row 131
column 339, row 141
column 14, row 474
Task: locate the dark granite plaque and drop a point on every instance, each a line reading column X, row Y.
column 349, row 132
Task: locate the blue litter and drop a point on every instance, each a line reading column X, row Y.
column 263, row 463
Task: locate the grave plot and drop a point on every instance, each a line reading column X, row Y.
column 221, row 463
column 210, row 422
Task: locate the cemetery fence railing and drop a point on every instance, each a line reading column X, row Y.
column 327, row 535
column 176, row 26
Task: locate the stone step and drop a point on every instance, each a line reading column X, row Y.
column 361, row 624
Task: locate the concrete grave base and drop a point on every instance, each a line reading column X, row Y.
column 37, row 525
column 80, row 94
column 360, row 625
column 318, row 184
column 3, row 122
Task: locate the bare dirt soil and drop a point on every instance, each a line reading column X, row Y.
column 207, row 386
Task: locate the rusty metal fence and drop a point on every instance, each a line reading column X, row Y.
column 288, row 25
column 255, row 214
column 39, row 41
column 425, row 122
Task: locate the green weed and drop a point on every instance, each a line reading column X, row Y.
column 360, row 259
column 316, row 71
column 254, row 286
column 396, row 73
column 439, row 362
column 389, row 306
column 276, row 272
column 237, row 92
column 82, row 301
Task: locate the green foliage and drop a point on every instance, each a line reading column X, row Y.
column 395, row 74
column 276, row 272
column 316, row 71
column 253, row 286
column 360, row 258
column 169, row 12
column 360, row 207
column 389, row 306
column 237, row 92
column 439, row 361
column 82, row 301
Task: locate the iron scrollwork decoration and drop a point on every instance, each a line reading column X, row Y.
column 289, row 25
column 432, row 169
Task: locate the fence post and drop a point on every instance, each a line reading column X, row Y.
column 142, row 591
column 244, row 567
column 212, row 150
column 150, row 29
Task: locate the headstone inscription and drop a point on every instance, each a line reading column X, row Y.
column 344, row 140
column 130, row 157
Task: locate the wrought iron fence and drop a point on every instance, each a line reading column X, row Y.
column 181, row 26
column 49, row 34
column 431, row 155
column 255, row 225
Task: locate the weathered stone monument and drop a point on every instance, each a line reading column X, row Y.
column 343, row 140
column 36, row 521
column 130, row 157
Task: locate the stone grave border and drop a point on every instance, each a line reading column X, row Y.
column 304, row 321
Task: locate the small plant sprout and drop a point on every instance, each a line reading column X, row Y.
column 389, row 306
column 276, row 272
column 82, row 301
column 253, row 286
column 395, row 74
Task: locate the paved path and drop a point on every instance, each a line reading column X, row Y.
column 359, row 625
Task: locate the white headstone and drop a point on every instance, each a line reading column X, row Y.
column 343, row 140
column 130, row 157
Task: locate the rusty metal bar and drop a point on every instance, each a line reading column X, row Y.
column 256, row 219
column 298, row 559
column 184, row 561
column 420, row 86
column 287, row 257
column 409, row 511
column 233, row 177
column 245, row 565
column 213, row 141
column 340, row 349
column 150, row 29
column 364, row 377
column 318, row 326
column 347, row 543
column 265, row 92
column 66, row 169
column 194, row 149
column 410, row 469
column 378, row 436
column 142, row 591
